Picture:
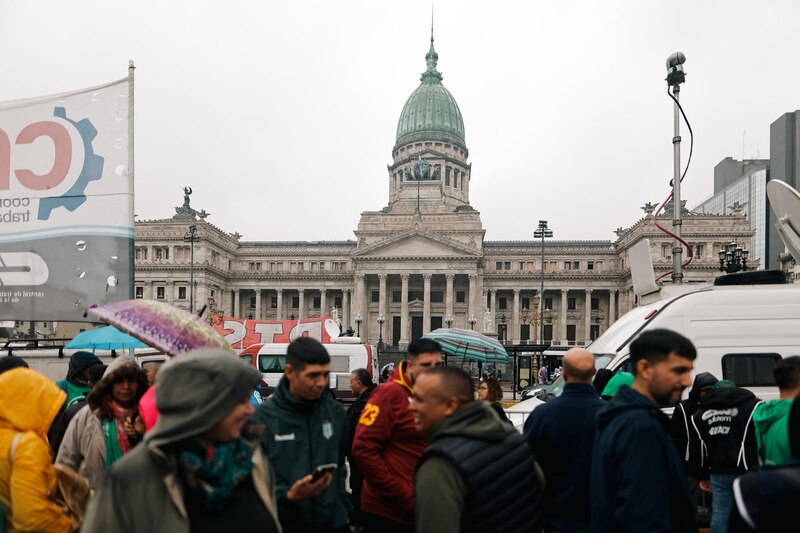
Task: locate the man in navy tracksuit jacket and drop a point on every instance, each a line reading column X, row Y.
column 561, row 433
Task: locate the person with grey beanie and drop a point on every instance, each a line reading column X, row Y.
column 200, row 468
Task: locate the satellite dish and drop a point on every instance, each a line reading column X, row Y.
column 785, row 201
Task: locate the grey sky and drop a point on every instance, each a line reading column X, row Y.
column 282, row 115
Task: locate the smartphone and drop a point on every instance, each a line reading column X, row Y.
column 321, row 469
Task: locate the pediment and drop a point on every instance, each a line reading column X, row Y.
column 418, row 244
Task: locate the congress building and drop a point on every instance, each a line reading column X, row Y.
column 421, row 262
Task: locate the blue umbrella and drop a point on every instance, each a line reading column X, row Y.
column 107, row 338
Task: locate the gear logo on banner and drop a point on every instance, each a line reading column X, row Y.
column 92, row 170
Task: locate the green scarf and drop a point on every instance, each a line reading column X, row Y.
column 75, row 393
column 113, row 449
column 217, row 469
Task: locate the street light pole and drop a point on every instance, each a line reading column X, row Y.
column 472, row 321
column 381, row 320
column 676, row 76
column 540, row 233
column 191, row 237
column 358, row 320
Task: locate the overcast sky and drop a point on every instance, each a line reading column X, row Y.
column 282, row 115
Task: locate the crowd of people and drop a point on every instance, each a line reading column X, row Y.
column 192, row 449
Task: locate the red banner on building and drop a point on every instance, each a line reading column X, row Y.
column 241, row 333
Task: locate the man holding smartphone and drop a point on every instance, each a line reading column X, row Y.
column 304, row 441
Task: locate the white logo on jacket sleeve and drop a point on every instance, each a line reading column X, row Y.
column 282, row 438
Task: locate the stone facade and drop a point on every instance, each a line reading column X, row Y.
column 421, row 261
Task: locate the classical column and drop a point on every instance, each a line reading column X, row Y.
column 323, row 302
column 301, row 304
column 170, row 290
column 612, row 306
column 588, row 317
column 258, row 304
column 426, row 304
column 449, row 294
column 382, row 294
column 404, row 311
column 236, row 307
column 148, row 290
column 515, row 318
column 279, row 310
column 361, row 299
column 564, row 316
column 493, row 308
column 473, row 283
column 345, row 309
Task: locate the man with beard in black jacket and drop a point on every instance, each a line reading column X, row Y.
column 638, row 482
column 361, row 384
column 724, row 425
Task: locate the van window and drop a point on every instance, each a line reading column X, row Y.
column 271, row 363
column 750, row 369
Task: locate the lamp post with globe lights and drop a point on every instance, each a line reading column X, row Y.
column 381, row 319
column 358, row 320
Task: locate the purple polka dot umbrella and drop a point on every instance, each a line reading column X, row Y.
column 160, row 325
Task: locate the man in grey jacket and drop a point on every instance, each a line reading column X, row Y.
column 200, row 467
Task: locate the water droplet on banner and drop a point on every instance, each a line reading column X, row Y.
column 112, row 281
column 81, row 245
column 119, row 170
column 82, row 275
column 114, row 257
column 96, row 96
column 118, row 143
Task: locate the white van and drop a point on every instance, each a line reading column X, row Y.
column 347, row 354
column 740, row 331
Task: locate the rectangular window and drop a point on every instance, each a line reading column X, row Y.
column 461, row 297
column 567, row 265
column 576, row 265
column 595, row 304
column 698, row 251
column 750, row 369
column 571, row 333
column 139, row 292
column 547, row 332
column 376, row 296
column 160, row 292
column 548, row 303
column 414, row 295
column 397, row 297
column 502, row 303
column 181, row 293
column 337, row 302
column 522, row 265
column 313, row 266
column 572, row 303
column 273, row 303
column 447, row 177
column 526, row 303
column 498, row 265
column 507, row 265
column 666, row 251
column 589, row 265
column 437, row 297
column 317, row 302
column 321, row 266
column 252, row 302
column 594, row 331
column 295, row 302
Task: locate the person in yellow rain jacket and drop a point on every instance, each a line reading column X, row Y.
column 29, row 402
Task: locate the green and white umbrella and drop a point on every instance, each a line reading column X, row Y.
column 469, row 344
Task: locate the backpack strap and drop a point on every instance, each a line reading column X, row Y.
column 12, row 450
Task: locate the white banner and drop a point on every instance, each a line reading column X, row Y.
column 66, row 202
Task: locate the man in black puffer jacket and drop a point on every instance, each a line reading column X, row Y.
column 724, row 424
column 478, row 473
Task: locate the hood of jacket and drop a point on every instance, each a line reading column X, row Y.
column 626, row 401
column 80, row 360
column 28, row 401
column 124, row 365
column 725, row 398
column 286, row 400
column 196, row 390
column 399, row 375
column 474, row 420
column 618, row 380
column 770, row 412
column 702, row 381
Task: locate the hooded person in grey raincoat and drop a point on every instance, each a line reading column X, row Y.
column 200, row 468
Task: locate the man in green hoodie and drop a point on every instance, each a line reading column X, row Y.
column 305, row 429
column 474, row 466
column 771, row 419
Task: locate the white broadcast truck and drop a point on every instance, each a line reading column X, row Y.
column 741, row 324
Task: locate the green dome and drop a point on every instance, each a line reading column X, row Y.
column 431, row 112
